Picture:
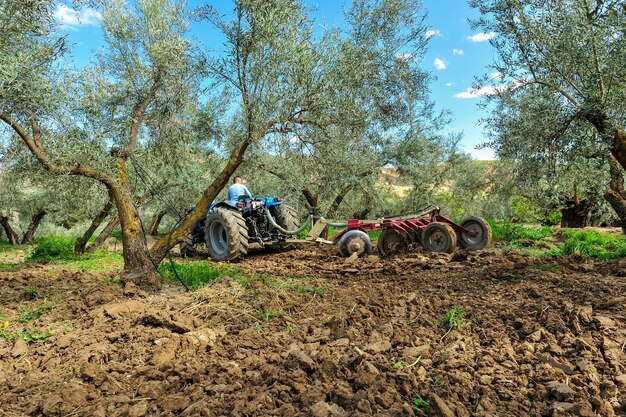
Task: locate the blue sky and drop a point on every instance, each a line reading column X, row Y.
column 456, row 55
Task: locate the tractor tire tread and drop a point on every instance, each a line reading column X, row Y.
column 236, row 229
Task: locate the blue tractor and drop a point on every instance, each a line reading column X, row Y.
column 230, row 227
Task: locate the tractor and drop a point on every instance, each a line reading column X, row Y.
column 231, row 227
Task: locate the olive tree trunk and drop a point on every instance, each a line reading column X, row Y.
column 11, row 235
column 32, row 227
column 156, row 221
column 81, row 244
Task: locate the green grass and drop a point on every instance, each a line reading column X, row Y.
column 509, row 232
column 28, row 313
column 54, row 248
column 420, row 403
column 197, row 274
column 26, row 334
column 452, row 320
column 591, row 244
column 59, row 250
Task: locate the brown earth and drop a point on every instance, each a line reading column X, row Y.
column 324, row 337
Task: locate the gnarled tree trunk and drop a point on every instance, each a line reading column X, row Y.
column 616, row 195
column 97, row 221
column 156, row 221
column 32, row 227
column 138, row 266
column 11, row 235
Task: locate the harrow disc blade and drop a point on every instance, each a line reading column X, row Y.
column 391, row 242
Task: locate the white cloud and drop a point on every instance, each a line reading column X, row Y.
column 458, row 51
column 448, row 84
column 405, row 57
column 481, row 37
column 72, row 19
column 488, row 90
column 431, row 33
column 484, row 154
column 440, row 64
column 496, row 76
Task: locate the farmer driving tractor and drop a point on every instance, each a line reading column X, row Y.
column 238, row 190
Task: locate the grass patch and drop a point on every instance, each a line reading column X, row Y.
column 197, row 274
column 420, row 403
column 54, row 248
column 26, row 334
column 60, row 250
column 296, row 283
column 509, row 232
column 28, row 314
column 452, row 319
column 591, row 244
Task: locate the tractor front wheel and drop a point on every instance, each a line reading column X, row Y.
column 226, row 235
column 481, row 230
column 355, row 241
column 439, row 237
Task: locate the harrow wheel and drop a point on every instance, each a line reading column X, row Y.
column 439, row 237
column 390, row 242
column 355, row 241
column 482, row 237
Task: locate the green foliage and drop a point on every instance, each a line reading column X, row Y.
column 525, row 210
column 60, row 250
column 54, row 248
column 420, row 403
column 198, row 274
column 508, row 232
column 453, row 319
column 27, row 313
column 591, row 244
column 26, row 334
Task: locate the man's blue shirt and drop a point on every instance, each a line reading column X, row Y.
column 237, row 190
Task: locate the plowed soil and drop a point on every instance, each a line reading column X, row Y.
column 317, row 335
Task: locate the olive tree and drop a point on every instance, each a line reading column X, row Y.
column 562, row 67
column 143, row 70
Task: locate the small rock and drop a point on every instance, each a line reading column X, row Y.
column 138, row 410
column 563, row 406
column 604, row 322
column 438, row 407
column 379, row 347
column 323, row 409
column 19, row 348
column 366, row 374
column 66, row 340
column 301, row 360
column 351, row 259
column 125, row 309
column 535, row 336
column 560, row 390
column 582, row 364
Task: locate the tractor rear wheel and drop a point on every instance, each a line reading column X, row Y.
column 390, row 242
column 482, row 237
column 286, row 217
column 439, row 237
column 226, row 235
column 355, row 241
